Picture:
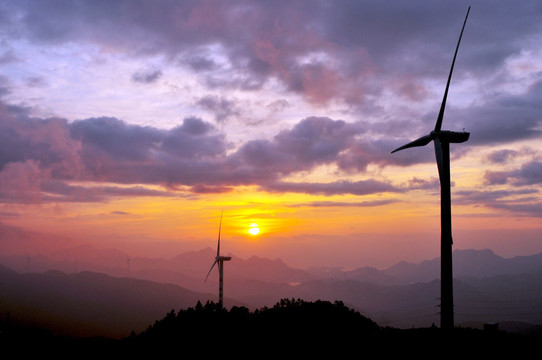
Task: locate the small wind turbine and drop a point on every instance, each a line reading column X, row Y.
column 220, row 261
column 442, row 140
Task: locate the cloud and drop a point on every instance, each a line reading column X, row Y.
column 45, row 141
column 191, row 157
column 21, row 182
column 363, row 187
column 503, row 118
column 311, row 142
column 528, row 174
column 221, row 107
column 344, row 50
column 522, row 201
column 4, row 86
column 8, row 57
column 59, row 191
column 422, row 184
column 147, row 76
column 345, row 203
column 502, row 156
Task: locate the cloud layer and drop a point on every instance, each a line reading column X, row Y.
column 44, row 155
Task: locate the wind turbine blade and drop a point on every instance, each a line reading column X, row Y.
column 440, row 157
column 211, row 269
column 443, row 105
column 424, row 140
column 219, row 227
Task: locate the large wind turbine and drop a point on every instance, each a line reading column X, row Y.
column 220, row 261
column 442, row 140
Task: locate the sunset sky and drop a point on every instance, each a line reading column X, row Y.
column 134, row 124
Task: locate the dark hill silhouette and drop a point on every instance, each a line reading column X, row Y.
column 86, row 303
column 312, row 329
column 297, row 319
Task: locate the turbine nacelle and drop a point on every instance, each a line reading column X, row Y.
column 451, row 136
column 218, row 260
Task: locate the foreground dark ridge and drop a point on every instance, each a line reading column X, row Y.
column 288, row 319
column 290, row 325
column 320, row 328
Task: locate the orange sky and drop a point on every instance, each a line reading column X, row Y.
column 302, row 229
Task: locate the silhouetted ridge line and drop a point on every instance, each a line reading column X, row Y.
column 287, row 321
column 308, row 328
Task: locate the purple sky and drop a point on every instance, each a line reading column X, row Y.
column 108, row 100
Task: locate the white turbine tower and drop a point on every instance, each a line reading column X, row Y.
column 219, row 260
column 442, row 140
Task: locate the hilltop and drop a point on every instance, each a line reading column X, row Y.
column 292, row 327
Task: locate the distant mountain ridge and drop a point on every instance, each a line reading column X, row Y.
column 195, row 264
column 468, row 263
column 86, row 303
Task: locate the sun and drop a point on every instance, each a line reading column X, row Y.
column 254, row 229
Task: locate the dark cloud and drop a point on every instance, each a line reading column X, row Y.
column 363, row 187
column 21, row 182
column 422, row 184
column 278, row 105
column 112, row 138
column 59, row 191
column 528, row 174
column 41, row 154
column 311, row 142
column 502, row 156
column 345, row 203
column 206, row 189
column 44, row 141
column 488, row 196
column 503, row 118
column 533, row 208
column 4, row 86
column 147, row 76
column 200, row 63
column 8, row 57
column 520, row 201
column 221, row 107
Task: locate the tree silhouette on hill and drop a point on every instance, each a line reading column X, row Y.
column 319, row 328
column 288, row 321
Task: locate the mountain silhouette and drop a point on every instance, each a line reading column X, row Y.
column 467, row 263
column 86, row 303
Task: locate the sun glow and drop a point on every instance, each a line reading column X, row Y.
column 254, row 229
